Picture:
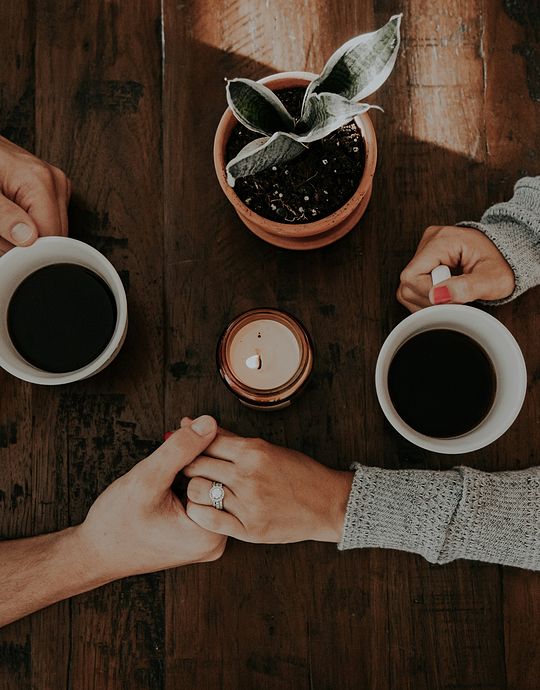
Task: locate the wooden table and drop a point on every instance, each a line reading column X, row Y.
column 125, row 96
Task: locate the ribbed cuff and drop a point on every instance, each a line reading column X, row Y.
column 460, row 513
column 409, row 510
column 514, row 228
column 498, row 519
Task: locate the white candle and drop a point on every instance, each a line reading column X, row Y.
column 265, row 357
column 264, row 354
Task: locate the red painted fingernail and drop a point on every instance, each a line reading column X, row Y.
column 167, row 435
column 441, row 295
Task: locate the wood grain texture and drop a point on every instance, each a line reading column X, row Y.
column 97, row 94
column 32, row 456
column 102, row 80
column 512, row 113
column 126, row 98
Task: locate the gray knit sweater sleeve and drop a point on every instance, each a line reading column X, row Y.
column 462, row 513
column 514, row 227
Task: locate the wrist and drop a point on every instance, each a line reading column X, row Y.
column 334, row 506
column 88, row 566
column 39, row 571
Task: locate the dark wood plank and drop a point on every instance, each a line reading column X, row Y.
column 98, row 96
column 32, row 462
column 512, row 48
column 229, row 624
column 432, row 137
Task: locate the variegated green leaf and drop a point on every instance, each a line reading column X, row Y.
column 262, row 153
column 361, row 65
column 257, row 107
column 326, row 112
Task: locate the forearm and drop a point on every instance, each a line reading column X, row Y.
column 462, row 513
column 39, row 571
column 514, row 227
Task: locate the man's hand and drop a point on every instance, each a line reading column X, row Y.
column 138, row 525
column 34, row 197
column 483, row 271
column 273, row 495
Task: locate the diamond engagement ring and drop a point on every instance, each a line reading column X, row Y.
column 217, row 494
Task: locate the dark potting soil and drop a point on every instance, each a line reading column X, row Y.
column 311, row 186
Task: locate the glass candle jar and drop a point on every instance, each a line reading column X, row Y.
column 265, row 357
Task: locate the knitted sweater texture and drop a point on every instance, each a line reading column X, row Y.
column 461, row 513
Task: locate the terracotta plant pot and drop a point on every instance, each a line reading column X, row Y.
column 302, row 235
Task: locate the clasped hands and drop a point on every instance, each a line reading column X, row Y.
column 272, row 495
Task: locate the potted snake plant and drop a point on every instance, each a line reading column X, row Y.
column 295, row 153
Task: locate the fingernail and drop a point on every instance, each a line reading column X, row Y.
column 203, row 425
column 167, row 435
column 21, row 233
column 441, row 295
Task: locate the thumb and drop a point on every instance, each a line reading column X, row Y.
column 457, row 290
column 181, row 448
column 16, row 225
column 186, row 421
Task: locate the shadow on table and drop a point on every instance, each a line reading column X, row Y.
column 432, row 182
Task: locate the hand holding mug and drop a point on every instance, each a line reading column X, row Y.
column 273, row 495
column 435, row 357
column 485, row 273
column 34, row 197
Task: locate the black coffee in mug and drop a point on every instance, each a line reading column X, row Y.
column 61, row 317
column 442, row 383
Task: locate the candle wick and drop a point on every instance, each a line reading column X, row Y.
column 254, row 362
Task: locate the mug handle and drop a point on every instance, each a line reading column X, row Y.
column 439, row 274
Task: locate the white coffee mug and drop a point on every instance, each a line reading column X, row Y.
column 19, row 263
column 499, row 345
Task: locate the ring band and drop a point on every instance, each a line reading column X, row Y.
column 217, row 494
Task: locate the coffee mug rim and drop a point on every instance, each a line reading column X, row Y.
column 44, row 377
column 471, row 440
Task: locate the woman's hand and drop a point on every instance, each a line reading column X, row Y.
column 272, row 495
column 138, row 525
column 484, row 272
column 34, row 197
